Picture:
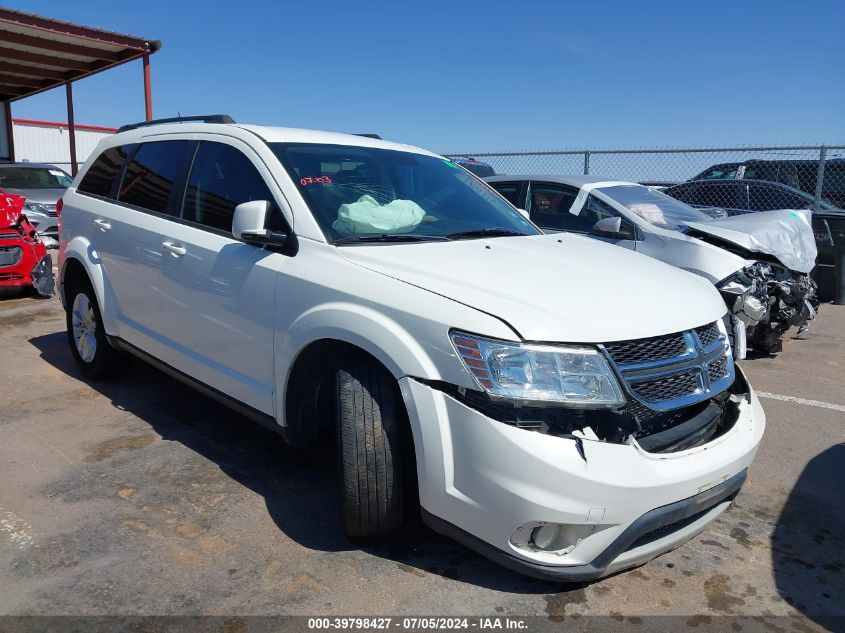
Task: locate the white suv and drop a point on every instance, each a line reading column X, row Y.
column 554, row 403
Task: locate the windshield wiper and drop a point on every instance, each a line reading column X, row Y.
column 491, row 232
column 387, row 237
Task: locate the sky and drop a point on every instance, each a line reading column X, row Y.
column 467, row 76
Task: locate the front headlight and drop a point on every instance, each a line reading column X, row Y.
column 539, row 373
column 34, row 207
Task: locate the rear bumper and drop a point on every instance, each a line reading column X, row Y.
column 642, row 540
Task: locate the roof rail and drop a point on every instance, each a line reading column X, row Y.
column 370, row 135
column 204, row 118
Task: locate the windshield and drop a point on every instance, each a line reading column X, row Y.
column 655, row 207
column 34, row 178
column 363, row 193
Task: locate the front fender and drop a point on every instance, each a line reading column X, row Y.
column 427, row 354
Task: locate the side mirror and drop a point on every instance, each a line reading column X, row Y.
column 524, row 214
column 249, row 223
column 608, row 225
column 612, row 227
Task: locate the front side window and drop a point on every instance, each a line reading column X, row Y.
column 151, row 174
column 33, row 178
column 654, row 207
column 763, row 198
column 221, row 178
column 357, row 193
column 549, row 205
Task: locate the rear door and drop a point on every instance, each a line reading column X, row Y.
column 127, row 218
column 217, row 307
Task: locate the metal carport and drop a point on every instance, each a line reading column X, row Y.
column 38, row 54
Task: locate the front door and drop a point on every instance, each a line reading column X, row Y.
column 217, row 293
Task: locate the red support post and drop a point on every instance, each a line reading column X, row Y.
column 74, row 167
column 148, row 94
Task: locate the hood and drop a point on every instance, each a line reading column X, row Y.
column 39, row 196
column 786, row 235
column 554, row 288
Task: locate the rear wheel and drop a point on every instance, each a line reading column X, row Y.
column 370, row 418
column 86, row 336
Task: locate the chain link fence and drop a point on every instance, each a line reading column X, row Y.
column 735, row 179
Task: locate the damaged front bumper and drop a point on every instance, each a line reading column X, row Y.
column 570, row 508
column 768, row 299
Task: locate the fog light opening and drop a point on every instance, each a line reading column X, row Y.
column 551, row 538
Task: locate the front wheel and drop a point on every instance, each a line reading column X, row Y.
column 370, row 416
column 87, row 337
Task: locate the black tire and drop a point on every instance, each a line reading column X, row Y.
column 371, row 423
column 104, row 360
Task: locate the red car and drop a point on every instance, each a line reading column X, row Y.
column 24, row 261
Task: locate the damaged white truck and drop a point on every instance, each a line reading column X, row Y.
column 760, row 263
column 334, row 285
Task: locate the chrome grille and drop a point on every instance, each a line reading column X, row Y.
column 647, row 349
column 708, row 334
column 675, row 370
column 669, row 387
column 717, row 369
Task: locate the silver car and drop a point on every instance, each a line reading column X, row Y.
column 42, row 185
column 760, row 263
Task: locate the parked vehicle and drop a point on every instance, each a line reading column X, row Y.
column 328, row 284
column 743, row 196
column 761, row 267
column 479, row 168
column 24, row 262
column 798, row 174
column 42, row 185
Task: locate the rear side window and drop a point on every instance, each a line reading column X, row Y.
column 510, row 191
column 152, row 173
column 221, row 178
column 100, row 177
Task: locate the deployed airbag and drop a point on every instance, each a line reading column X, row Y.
column 785, row 234
column 368, row 217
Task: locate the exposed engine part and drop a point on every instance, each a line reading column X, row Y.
column 655, row 431
column 769, row 299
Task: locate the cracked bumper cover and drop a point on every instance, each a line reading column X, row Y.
column 480, row 480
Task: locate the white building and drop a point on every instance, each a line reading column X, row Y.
column 47, row 141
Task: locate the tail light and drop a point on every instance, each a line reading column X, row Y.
column 59, row 205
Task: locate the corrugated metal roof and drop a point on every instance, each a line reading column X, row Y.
column 38, row 53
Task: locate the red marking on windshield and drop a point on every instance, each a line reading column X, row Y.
column 308, row 180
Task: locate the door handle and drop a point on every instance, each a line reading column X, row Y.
column 102, row 224
column 177, row 250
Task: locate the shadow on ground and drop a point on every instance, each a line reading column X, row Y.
column 298, row 485
column 808, row 543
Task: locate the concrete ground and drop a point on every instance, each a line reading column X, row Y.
column 136, row 495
